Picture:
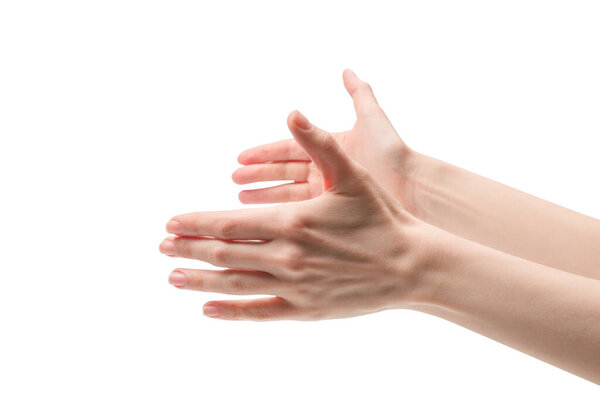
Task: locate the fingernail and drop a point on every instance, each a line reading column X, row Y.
column 174, row 227
column 167, row 247
column 301, row 121
column 177, row 279
column 211, row 311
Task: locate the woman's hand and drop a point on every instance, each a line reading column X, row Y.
column 373, row 142
column 437, row 193
column 354, row 250
column 350, row 251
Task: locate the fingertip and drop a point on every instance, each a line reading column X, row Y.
column 350, row 79
column 252, row 196
column 167, row 247
column 243, row 197
column 298, row 120
column 290, row 118
column 235, row 176
column 173, row 226
column 242, row 158
column 348, row 73
column 211, row 309
column 177, row 278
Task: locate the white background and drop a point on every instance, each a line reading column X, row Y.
column 117, row 115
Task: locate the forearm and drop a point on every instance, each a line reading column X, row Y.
column 544, row 312
column 501, row 217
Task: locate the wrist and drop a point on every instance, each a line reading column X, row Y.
column 417, row 264
column 412, row 166
column 435, row 268
column 451, row 270
column 440, row 193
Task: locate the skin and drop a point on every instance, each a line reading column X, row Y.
column 438, row 193
column 354, row 248
column 372, row 142
column 304, row 253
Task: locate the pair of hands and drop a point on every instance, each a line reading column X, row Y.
column 342, row 246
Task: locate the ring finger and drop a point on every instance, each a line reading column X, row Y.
column 228, row 281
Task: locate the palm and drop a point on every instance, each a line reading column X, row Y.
column 372, row 141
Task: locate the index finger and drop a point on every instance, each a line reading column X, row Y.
column 245, row 224
column 283, row 150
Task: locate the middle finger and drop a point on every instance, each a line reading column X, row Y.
column 221, row 253
column 278, row 171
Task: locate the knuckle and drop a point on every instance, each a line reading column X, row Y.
column 296, row 224
column 305, row 293
column 219, row 255
column 365, row 87
column 234, row 284
column 315, row 313
column 198, row 283
column 225, row 229
column 299, row 229
column 184, row 248
column 294, row 259
column 195, row 224
column 234, row 313
column 260, row 170
column 307, row 169
column 328, row 142
column 361, row 173
column 259, row 314
column 288, row 170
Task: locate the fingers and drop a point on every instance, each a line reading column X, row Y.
column 278, row 194
column 255, row 223
column 284, row 150
column 280, row 171
column 229, row 281
column 261, row 309
column 247, row 255
column 362, row 95
column 323, row 149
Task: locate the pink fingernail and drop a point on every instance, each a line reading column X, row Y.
column 177, row 279
column 211, row 311
column 168, row 247
column 174, row 227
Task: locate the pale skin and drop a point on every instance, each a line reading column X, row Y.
column 368, row 225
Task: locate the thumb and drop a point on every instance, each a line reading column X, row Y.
column 362, row 95
column 323, row 149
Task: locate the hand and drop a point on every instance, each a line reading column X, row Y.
column 353, row 250
column 373, row 142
